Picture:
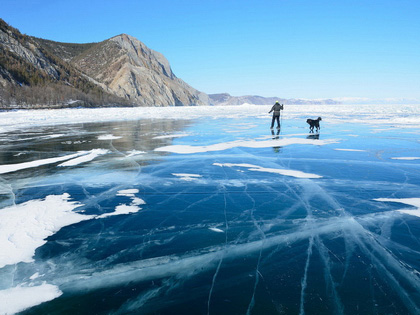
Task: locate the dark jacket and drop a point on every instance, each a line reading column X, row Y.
column 276, row 108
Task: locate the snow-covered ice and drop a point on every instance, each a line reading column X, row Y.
column 18, row 299
column 7, row 168
column 24, row 227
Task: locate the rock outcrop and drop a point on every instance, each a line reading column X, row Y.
column 133, row 71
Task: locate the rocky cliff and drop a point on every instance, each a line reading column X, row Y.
column 133, row 71
column 31, row 76
column 118, row 71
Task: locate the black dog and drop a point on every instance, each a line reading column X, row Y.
column 314, row 123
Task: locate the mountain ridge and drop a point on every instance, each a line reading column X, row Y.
column 227, row 99
column 119, row 71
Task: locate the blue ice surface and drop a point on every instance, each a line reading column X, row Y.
column 229, row 239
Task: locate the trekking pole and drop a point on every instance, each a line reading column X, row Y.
column 281, row 116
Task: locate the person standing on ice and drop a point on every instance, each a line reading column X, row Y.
column 276, row 114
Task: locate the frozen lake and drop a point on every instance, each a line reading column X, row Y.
column 208, row 211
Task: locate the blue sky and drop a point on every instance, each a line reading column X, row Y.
column 283, row 48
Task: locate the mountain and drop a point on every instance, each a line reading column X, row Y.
column 129, row 69
column 227, row 99
column 30, row 74
column 118, row 71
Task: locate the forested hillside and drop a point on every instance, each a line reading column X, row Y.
column 33, row 77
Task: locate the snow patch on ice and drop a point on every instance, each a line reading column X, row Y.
column 8, row 168
column 108, row 137
column 34, row 276
column 187, row 177
column 120, row 209
column 406, row 158
column 133, row 207
column 415, row 202
column 284, row 172
column 172, row 136
column 128, row 192
column 58, row 135
column 237, row 165
column 138, row 201
column 20, row 298
column 93, row 154
column 216, row 230
column 25, row 227
column 189, row 149
column 292, row 173
column 135, row 152
column 350, row 150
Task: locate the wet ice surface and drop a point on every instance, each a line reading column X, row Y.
column 216, row 216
